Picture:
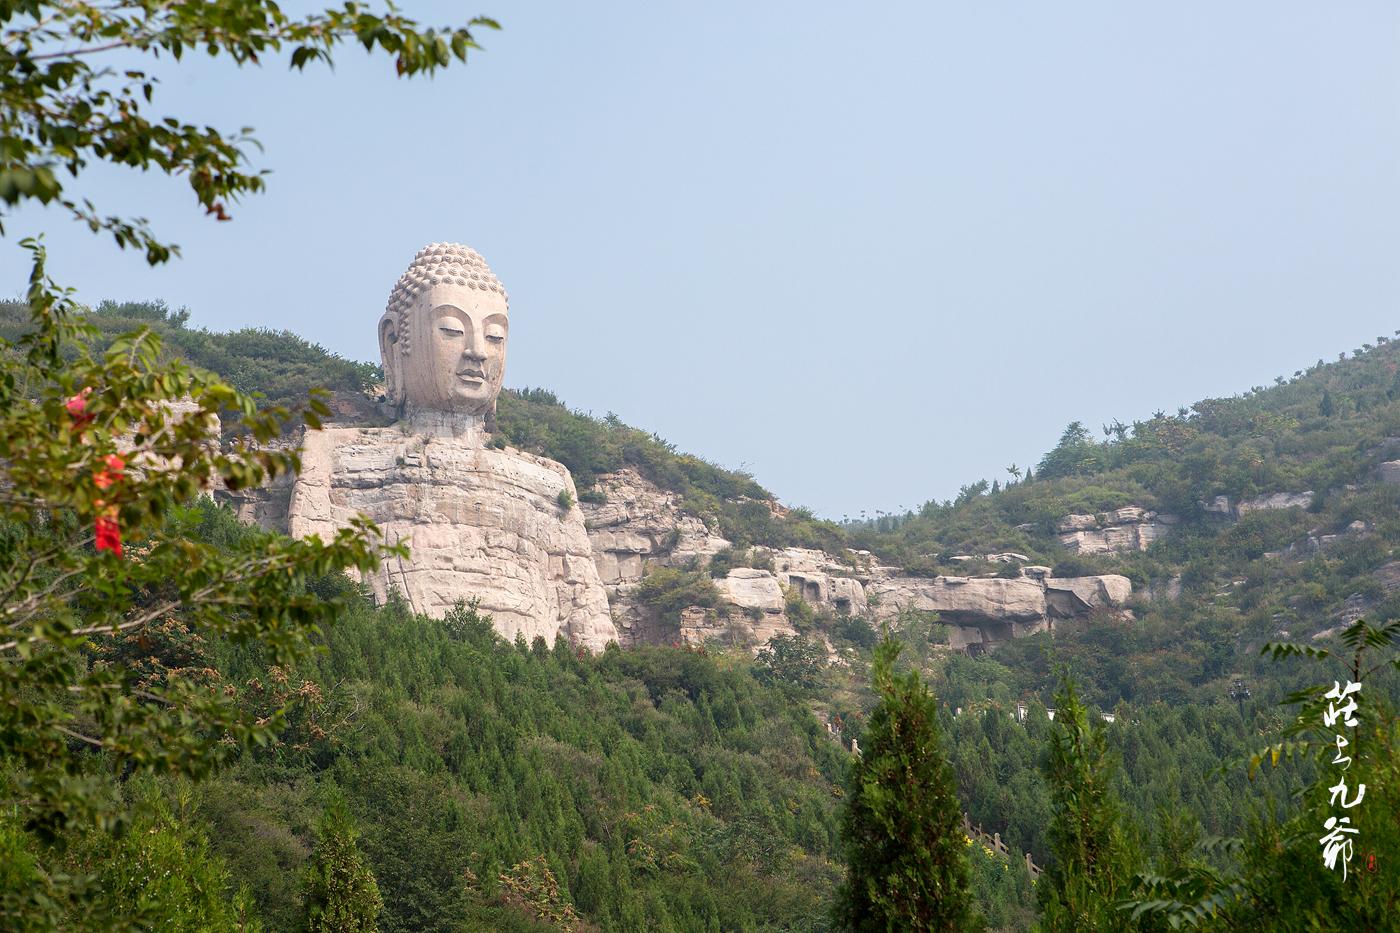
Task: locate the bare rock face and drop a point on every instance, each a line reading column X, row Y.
column 820, row 579
column 755, row 590
column 1066, row 597
column 1220, row 505
column 1390, row 472
column 964, row 600
column 1226, row 507
column 699, row 626
column 481, row 523
column 987, row 610
column 640, row 524
column 1278, row 500
column 1132, row 528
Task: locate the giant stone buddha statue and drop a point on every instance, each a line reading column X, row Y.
column 482, row 523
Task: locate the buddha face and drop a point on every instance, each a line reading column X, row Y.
column 458, row 349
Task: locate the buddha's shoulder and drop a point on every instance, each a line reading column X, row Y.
column 392, row 446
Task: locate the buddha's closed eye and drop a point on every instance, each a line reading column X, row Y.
column 452, row 331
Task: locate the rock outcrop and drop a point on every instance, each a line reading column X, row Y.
column 986, row 610
column 820, row 579
column 1277, row 500
column 506, row 529
column 1132, row 528
column 1225, row 507
column 754, row 591
column 637, row 524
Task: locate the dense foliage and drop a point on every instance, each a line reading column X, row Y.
column 902, row 828
column 280, row 367
column 98, row 471
column 1094, row 859
column 415, row 730
column 662, row 788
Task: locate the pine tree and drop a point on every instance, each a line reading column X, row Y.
column 1325, row 408
column 340, row 891
column 902, row 828
column 1092, row 864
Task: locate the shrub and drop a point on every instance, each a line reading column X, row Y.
column 667, row 591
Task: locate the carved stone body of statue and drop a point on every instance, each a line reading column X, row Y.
column 482, row 523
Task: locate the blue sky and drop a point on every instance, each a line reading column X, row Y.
column 869, row 254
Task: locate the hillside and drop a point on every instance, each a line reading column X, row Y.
column 1276, row 516
column 698, row 786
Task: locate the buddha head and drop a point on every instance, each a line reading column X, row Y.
column 442, row 338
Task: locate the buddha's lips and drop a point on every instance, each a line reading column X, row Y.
column 467, row 375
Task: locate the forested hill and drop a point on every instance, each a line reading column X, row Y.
column 527, row 787
column 1275, row 518
column 1322, row 429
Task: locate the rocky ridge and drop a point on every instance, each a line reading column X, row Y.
column 633, row 526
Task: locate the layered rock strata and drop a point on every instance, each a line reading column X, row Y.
column 637, row 526
column 985, row 610
column 1132, row 528
column 1226, row 507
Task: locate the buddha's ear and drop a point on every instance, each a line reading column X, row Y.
column 391, row 357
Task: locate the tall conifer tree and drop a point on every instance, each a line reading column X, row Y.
column 902, row 828
column 1093, row 864
column 341, row 893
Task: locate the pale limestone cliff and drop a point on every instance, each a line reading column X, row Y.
column 1226, row 507
column 824, row 581
column 1277, row 500
column 638, row 524
column 985, row 610
column 1132, row 528
column 751, row 590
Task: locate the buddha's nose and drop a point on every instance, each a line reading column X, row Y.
column 472, row 353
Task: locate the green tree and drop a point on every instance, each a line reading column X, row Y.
column 902, row 829
column 65, row 103
column 1074, row 455
column 97, row 482
column 794, row 660
column 340, row 893
column 1275, row 877
column 1092, row 864
column 99, row 472
column 1326, row 408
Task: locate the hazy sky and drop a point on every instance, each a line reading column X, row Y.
column 868, row 252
